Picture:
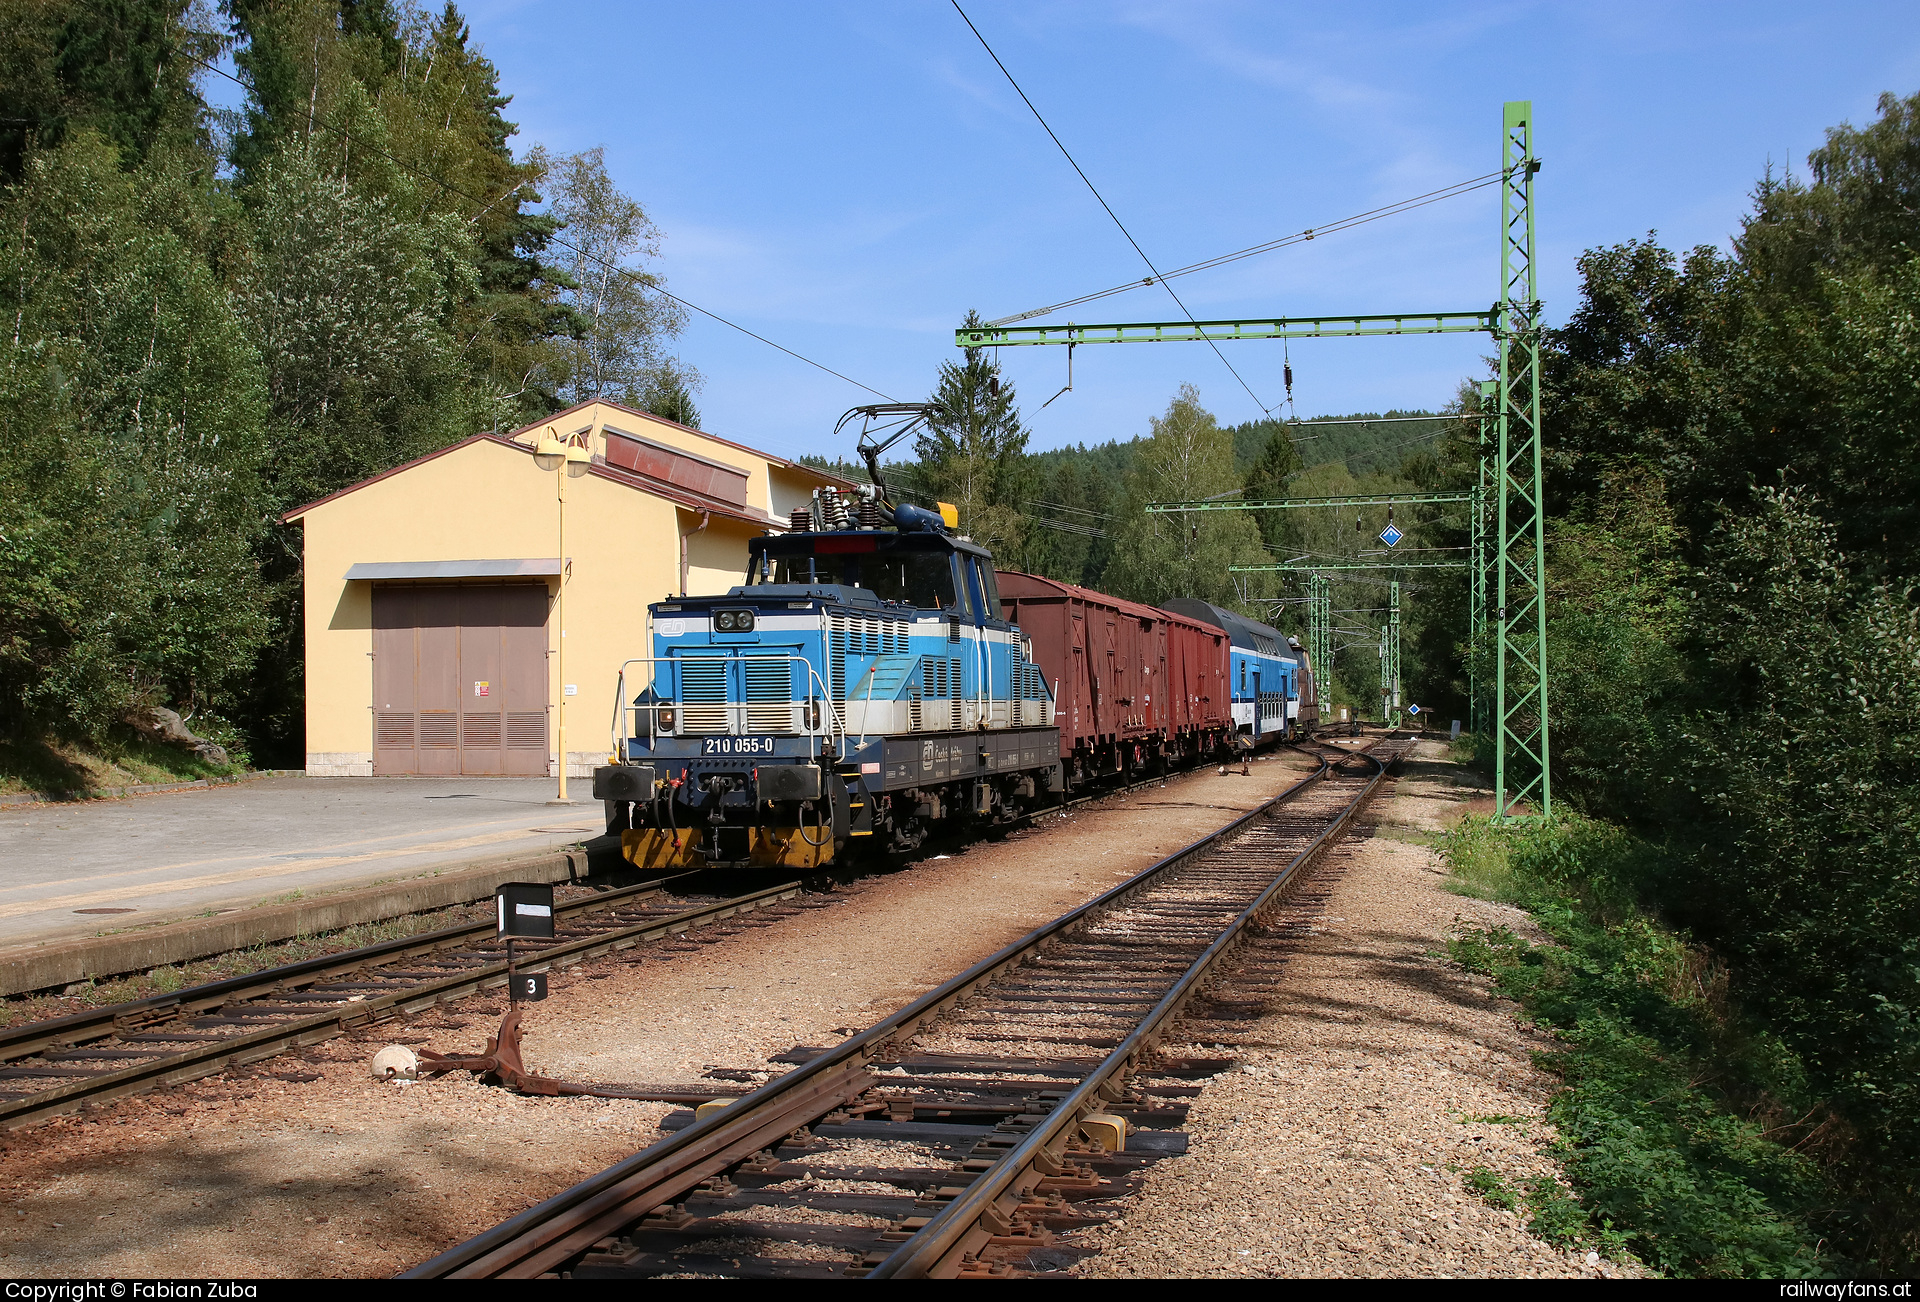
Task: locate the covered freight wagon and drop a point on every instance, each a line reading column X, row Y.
column 1134, row 686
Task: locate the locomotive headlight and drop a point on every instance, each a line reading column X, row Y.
column 743, row 620
column 664, row 713
column 724, row 621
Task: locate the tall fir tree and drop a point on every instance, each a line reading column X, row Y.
column 1278, row 462
column 973, row 452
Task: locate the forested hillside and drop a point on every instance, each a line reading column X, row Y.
column 214, row 317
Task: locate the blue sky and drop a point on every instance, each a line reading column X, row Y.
column 849, row 179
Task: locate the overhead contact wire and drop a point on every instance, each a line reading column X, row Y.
column 1104, row 204
column 1298, row 237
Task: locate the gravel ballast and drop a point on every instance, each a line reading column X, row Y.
column 305, row 1166
column 1378, row 1076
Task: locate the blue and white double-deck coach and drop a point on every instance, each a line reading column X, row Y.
column 1266, row 671
column 860, row 683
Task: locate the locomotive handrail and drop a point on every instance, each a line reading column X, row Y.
column 836, row 726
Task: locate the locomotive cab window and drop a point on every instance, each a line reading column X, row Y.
column 968, row 602
column 912, row 576
column 921, row 579
column 990, row 591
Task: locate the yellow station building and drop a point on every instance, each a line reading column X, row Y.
column 433, row 641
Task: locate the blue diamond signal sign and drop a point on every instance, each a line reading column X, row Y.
column 1391, row 535
column 1413, row 709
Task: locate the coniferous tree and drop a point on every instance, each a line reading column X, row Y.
column 1267, row 478
column 666, row 395
column 973, row 451
column 123, row 68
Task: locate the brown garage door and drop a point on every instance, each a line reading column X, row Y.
column 460, row 679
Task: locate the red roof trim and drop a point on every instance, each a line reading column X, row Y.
column 681, row 497
column 647, row 415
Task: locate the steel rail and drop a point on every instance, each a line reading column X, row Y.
column 544, row 1237
column 59, row 1032
column 30, row 1038
column 956, row 1230
column 220, row 1052
column 155, row 1012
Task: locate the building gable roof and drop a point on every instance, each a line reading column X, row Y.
column 560, row 416
column 680, row 495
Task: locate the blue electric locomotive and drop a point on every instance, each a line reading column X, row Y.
column 860, row 684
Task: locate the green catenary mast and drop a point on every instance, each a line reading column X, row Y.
column 1517, row 583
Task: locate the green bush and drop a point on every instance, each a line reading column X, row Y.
column 1661, row 1117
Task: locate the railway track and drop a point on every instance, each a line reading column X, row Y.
column 957, row 1135
column 61, row 1064
column 58, row 1065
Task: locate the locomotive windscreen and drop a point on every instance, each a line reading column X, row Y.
column 914, row 576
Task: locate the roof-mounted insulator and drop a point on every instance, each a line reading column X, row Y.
column 802, row 521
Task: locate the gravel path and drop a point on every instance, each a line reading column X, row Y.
column 1378, row 1076
column 304, row 1166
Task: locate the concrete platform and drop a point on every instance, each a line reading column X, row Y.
column 175, row 855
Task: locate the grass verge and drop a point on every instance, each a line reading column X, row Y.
column 122, row 759
column 1673, row 1111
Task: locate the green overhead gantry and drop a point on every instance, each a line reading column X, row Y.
column 1362, row 565
column 1320, row 641
column 1510, row 452
column 1481, row 572
column 1277, row 327
column 1320, row 623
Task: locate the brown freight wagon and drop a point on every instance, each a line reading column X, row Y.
column 1134, row 687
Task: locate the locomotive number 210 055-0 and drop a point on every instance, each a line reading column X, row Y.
column 736, row 746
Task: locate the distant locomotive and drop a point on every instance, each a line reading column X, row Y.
column 874, row 677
